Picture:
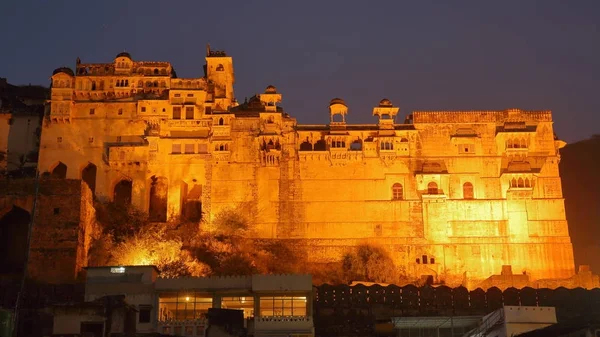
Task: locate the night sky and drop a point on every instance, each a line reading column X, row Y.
column 422, row 55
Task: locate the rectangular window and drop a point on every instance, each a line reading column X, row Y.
column 144, row 314
column 120, row 111
column 143, row 109
column 176, row 149
column 177, row 112
column 91, row 139
column 283, row 306
column 189, row 112
column 466, row 148
column 245, row 304
column 92, row 111
column 190, row 95
column 208, row 110
column 183, row 306
column 59, row 139
column 202, row 148
column 177, row 95
column 118, row 139
column 189, row 148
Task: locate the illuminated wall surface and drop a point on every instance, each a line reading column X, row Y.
column 452, row 193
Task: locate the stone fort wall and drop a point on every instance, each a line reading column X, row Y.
column 62, row 228
column 451, row 194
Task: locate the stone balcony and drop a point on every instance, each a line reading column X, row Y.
column 60, row 117
column 221, row 131
column 126, row 154
column 188, row 123
column 221, row 156
column 270, row 158
column 270, row 129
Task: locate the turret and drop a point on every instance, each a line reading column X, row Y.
column 386, row 113
column 270, row 98
column 219, row 72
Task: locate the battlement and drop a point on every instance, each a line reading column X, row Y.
column 480, row 116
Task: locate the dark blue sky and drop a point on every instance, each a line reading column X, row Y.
column 423, row 55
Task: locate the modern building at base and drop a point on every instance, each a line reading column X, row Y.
column 504, row 322
column 272, row 305
column 453, row 195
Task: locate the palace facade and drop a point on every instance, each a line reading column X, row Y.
column 454, row 195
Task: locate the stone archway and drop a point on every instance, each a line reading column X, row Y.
column 122, row 192
column 14, row 228
column 159, row 193
column 88, row 174
column 192, row 203
column 59, row 171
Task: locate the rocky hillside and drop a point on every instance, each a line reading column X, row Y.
column 580, row 172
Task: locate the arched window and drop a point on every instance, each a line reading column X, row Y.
column 93, row 85
column 140, row 84
column 155, row 71
column 220, row 67
column 432, row 188
column 513, row 182
column 521, row 183
column 468, row 190
column 221, row 121
column 163, row 72
column 356, row 145
column 306, row 146
column 320, row 145
column 148, row 84
column 163, row 84
column 387, row 145
column 397, row 192
column 527, row 183
column 126, row 83
column 155, row 84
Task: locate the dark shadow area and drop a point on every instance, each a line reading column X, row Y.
column 122, row 193
column 14, row 227
column 579, row 167
column 89, row 176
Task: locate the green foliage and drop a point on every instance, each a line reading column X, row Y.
column 118, row 220
column 231, row 222
column 369, row 263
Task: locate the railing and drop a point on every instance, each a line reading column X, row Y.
column 221, row 130
column 186, row 123
column 283, row 323
column 271, row 158
column 195, row 327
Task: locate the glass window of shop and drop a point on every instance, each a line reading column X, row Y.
column 282, row 306
column 239, row 303
column 183, row 306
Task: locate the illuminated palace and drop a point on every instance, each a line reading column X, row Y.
column 455, row 195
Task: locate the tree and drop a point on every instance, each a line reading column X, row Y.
column 369, row 263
